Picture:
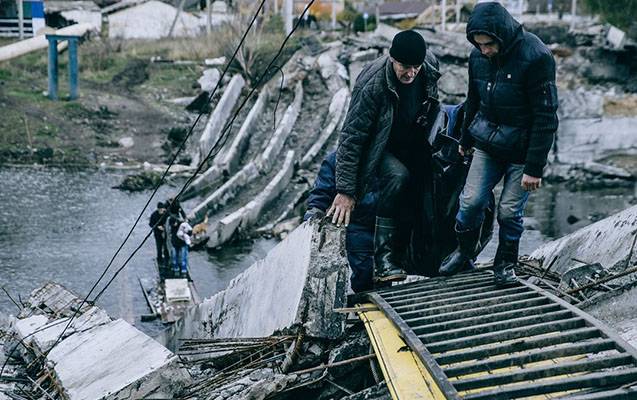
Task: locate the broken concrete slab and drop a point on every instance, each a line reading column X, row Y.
column 177, row 290
column 251, row 171
column 221, row 231
column 334, row 73
column 335, row 117
column 209, row 79
column 220, row 115
column 112, row 361
column 583, row 140
column 364, row 55
column 581, row 103
column 298, row 283
column 268, row 157
column 608, row 242
column 47, row 336
column 616, row 38
column 97, row 358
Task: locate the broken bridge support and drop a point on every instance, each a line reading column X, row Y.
column 298, row 283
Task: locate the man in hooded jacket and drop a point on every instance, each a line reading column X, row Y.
column 381, row 138
column 511, row 120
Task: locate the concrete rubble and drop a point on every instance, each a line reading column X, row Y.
column 96, row 357
column 297, row 284
column 618, row 233
column 218, row 119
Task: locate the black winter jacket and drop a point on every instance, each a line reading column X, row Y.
column 369, row 120
column 512, row 99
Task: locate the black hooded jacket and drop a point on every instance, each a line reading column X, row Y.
column 512, row 99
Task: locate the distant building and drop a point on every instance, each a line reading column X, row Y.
column 33, row 14
column 396, row 11
column 153, row 19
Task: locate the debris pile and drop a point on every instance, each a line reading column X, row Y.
column 96, row 357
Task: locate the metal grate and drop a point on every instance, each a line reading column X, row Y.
column 479, row 341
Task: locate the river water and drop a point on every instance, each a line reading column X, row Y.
column 65, row 226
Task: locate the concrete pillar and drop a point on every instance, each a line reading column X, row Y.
column 458, row 10
column 573, row 12
column 53, row 69
column 73, row 69
column 333, row 14
column 209, row 14
column 21, row 18
column 443, row 15
column 287, row 15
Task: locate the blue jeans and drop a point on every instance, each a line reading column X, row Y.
column 180, row 259
column 484, row 175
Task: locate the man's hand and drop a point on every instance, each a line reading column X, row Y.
column 465, row 152
column 530, row 183
column 341, row 209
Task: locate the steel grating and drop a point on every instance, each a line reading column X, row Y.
column 479, row 341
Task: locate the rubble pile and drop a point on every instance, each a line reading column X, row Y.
column 96, row 357
column 283, row 367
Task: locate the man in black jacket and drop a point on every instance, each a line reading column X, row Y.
column 158, row 223
column 511, row 120
column 381, row 138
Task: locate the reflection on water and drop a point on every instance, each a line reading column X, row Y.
column 559, row 212
column 65, row 226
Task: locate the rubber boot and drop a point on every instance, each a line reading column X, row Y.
column 506, row 259
column 384, row 268
column 462, row 257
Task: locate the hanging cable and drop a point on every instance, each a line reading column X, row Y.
column 165, row 173
column 211, row 154
column 223, row 137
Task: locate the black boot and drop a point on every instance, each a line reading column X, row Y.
column 506, row 259
column 384, row 268
column 462, row 256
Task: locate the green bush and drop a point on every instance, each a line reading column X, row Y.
column 617, row 12
column 359, row 23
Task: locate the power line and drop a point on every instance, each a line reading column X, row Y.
column 212, row 153
column 165, row 173
column 218, row 145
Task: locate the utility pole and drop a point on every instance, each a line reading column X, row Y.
column 443, row 10
column 276, row 6
column 458, row 10
column 21, row 19
column 287, row 15
column 209, row 13
column 333, row 15
column 573, row 13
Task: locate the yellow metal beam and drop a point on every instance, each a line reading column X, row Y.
column 405, row 375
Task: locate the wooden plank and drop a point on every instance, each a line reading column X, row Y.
column 404, row 373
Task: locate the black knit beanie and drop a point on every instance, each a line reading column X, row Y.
column 409, row 48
